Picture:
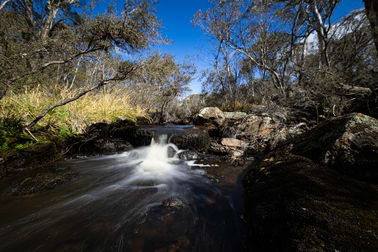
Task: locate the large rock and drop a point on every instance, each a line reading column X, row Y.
column 234, row 115
column 293, row 204
column 348, row 144
column 191, row 139
column 188, row 138
column 262, row 132
column 27, row 158
column 233, row 142
column 210, row 115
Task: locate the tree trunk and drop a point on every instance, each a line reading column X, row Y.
column 53, row 11
column 2, row 5
column 371, row 7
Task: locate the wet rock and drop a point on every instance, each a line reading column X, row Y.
column 174, row 203
column 188, row 155
column 186, row 139
column 348, row 144
column 293, row 204
column 42, row 181
column 33, row 155
column 137, row 136
column 210, row 116
column 191, row 139
column 98, row 145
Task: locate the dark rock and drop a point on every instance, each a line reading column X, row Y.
column 188, row 155
column 348, row 144
column 174, row 203
column 33, row 155
column 191, row 139
column 137, row 136
column 97, row 146
column 41, row 182
column 143, row 121
column 293, row 204
column 262, row 132
column 188, row 138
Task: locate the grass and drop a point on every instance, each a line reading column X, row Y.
column 16, row 110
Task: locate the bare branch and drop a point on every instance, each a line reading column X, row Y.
column 66, row 101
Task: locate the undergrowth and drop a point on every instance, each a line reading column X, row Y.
column 17, row 110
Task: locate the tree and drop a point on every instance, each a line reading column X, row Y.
column 43, row 38
column 159, row 83
column 36, row 40
column 371, row 8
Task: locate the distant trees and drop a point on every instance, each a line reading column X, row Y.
column 159, row 84
column 288, row 52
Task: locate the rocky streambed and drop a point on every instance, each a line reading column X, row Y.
column 304, row 188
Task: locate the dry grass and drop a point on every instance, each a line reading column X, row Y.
column 73, row 117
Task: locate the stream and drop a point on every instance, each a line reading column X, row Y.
column 146, row 199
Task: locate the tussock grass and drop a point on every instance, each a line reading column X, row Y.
column 73, row 117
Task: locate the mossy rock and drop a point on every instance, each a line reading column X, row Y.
column 348, row 144
column 293, row 204
column 34, row 155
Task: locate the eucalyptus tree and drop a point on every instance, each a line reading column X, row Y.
column 160, row 83
column 253, row 31
column 371, row 8
column 38, row 36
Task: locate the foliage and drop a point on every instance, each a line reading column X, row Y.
column 264, row 56
column 159, row 84
column 17, row 108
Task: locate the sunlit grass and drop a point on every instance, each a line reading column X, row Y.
column 73, row 117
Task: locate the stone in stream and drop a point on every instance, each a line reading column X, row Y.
column 347, row 143
column 293, row 204
column 307, row 195
column 187, row 139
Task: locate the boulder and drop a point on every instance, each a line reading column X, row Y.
column 348, row 144
column 137, row 136
column 262, row 132
column 34, row 155
column 188, row 138
column 294, row 204
column 233, row 142
column 210, row 115
column 234, row 115
column 191, row 139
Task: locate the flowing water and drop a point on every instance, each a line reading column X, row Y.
column 146, row 199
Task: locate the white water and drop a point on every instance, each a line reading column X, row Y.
column 157, row 162
column 118, row 194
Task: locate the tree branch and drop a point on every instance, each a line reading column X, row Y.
column 64, row 102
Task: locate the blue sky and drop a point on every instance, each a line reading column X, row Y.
column 189, row 43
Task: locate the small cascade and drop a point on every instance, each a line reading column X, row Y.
column 147, row 194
